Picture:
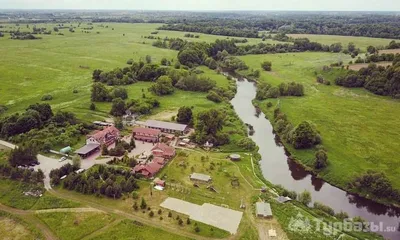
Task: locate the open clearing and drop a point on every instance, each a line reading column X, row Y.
column 10, row 230
column 358, row 66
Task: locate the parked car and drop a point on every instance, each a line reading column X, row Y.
column 62, row 159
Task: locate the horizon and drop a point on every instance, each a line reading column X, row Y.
column 205, row 5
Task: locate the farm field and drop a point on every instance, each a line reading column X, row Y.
column 360, row 42
column 356, row 130
column 358, row 66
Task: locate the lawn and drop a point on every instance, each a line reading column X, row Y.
column 75, row 225
column 355, row 126
column 360, row 42
column 128, row 229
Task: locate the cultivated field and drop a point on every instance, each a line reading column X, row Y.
column 358, row 66
column 394, row 51
column 356, row 130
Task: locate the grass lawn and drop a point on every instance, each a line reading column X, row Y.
column 74, row 225
column 355, row 126
column 11, row 194
column 360, row 42
column 128, row 229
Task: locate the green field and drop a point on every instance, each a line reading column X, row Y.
column 74, row 225
column 51, row 65
column 13, row 227
column 128, row 229
column 355, row 126
column 360, row 42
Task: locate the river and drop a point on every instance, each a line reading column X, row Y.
column 279, row 169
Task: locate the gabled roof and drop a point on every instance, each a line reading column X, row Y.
column 159, row 160
column 100, row 135
column 148, row 131
column 165, row 125
column 167, row 150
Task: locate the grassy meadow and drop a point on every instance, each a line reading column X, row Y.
column 58, row 65
column 355, row 126
column 13, row 227
column 360, row 42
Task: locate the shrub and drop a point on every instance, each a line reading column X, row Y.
column 305, row 197
column 269, row 104
column 266, row 65
column 324, row 208
column 47, row 97
column 151, row 214
column 213, row 96
column 305, row 136
column 321, row 159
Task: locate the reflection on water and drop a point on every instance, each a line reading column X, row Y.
column 278, row 168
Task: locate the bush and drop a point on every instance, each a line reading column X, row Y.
column 213, row 96
column 305, row 136
column 321, row 159
column 324, row 208
column 269, row 104
column 266, row 65
column 305, row 197
column 47, row 97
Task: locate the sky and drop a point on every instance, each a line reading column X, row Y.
column 213, row 5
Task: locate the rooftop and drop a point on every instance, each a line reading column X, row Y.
column 87, row 148
column 165, row 125
column 148, row 131
column 200, row 176
column 264, row 209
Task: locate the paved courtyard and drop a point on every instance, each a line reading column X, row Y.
column 223, row 218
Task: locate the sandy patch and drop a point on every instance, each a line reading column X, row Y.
column 358, row 66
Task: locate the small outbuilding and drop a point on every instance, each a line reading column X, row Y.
column 159, row 182
column 234, row 157
column 88, row 150
column 66, row 150
column 199, row 177
column 283, row 199
column 263, row 210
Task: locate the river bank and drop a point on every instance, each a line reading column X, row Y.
column 279, row 169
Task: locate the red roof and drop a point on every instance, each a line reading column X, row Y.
column 159, row 160
column 100, row 135
column 147, row 170
column 167, row 150
column 148, row 131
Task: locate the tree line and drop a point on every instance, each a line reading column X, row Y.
column 376, row 79
column 246, row 25
column 99, row 180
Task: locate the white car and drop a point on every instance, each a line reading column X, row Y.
column 62, row 159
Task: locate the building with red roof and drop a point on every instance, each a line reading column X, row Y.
column 107, row 136
column 159, row 160
column 146, row 134
column 148, row 170
column 163, row 150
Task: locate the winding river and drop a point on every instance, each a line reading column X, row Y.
column 279, row 169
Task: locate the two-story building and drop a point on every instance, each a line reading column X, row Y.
column 146, row 134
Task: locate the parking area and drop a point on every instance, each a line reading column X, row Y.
column 220, row 217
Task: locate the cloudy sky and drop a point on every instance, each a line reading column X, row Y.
column 325, row 5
